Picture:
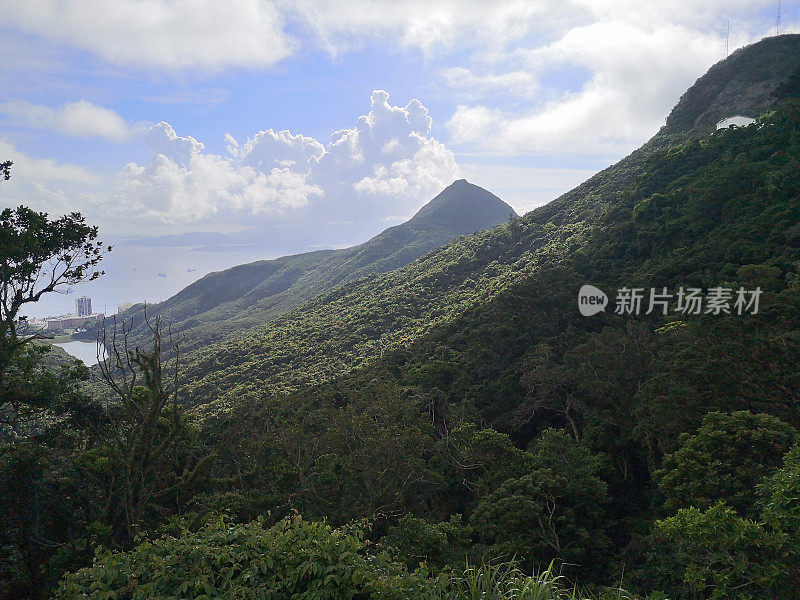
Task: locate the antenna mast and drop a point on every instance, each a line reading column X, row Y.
column 727, row 37
column 778, row 19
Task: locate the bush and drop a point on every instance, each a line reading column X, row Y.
column 293, row 559
column 716, row 554
column 435, row 544
column 724, row 460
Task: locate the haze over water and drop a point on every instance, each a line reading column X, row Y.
column 132, row 275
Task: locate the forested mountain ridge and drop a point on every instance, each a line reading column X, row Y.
column 362, row 320
column 426, row 375
column 460, row 411
column 230, row 302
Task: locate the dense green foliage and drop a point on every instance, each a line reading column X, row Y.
column 460, row 411
column 717, row 553
column 725, row 459
column 680, row 211
column 555, row 510
column 292, row 559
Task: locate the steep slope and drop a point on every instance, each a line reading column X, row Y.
column 421, row 371
column 742, row 84
column 230, row 302
column 364, row 320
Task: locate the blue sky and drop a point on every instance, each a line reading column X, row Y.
column 121, row 109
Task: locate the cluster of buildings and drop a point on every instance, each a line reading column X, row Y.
column 77, row 320
column 74, row 321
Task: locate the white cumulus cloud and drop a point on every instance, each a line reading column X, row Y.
column 181, row 183
column 270, row 148
column 388, row 158
column 82, row 119
column 341, row 190
column 159, row 33
column 388, row 163
column 636, row 74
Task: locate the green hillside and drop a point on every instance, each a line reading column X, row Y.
column 455, row 428
column 229, row 303
column 362, row 320
column 465, row 406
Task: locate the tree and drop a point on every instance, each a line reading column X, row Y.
column 552, row 387
column 43, row 411
column 481, row 459
column 555, row 511
column 724, row 460
column 39, row 256
column 149, row 424
column 34, row 387
column 781, row 512
column 716, row 554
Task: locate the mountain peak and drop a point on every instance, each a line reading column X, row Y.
column 464, row 207
column 248, row 296
column 741, row 84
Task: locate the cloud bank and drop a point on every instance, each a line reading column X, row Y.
column 386, row 164
column 163, row 34
column 636, row 74
column 554, row 84
column 82, row 119
column 181, row 184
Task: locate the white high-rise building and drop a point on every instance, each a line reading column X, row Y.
column 83, row 306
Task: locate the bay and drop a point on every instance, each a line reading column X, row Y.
column 86, row 351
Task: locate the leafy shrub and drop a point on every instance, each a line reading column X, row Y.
column 724, row 460
column 716, row 554
column 435, row 544
column 293, row 559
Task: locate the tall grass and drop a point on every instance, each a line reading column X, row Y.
column 504, row 582
column 508, row 582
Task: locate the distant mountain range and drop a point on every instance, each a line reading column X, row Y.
column 231, row 302
column 194, row 238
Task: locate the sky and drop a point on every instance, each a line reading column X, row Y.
column 318, row 123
